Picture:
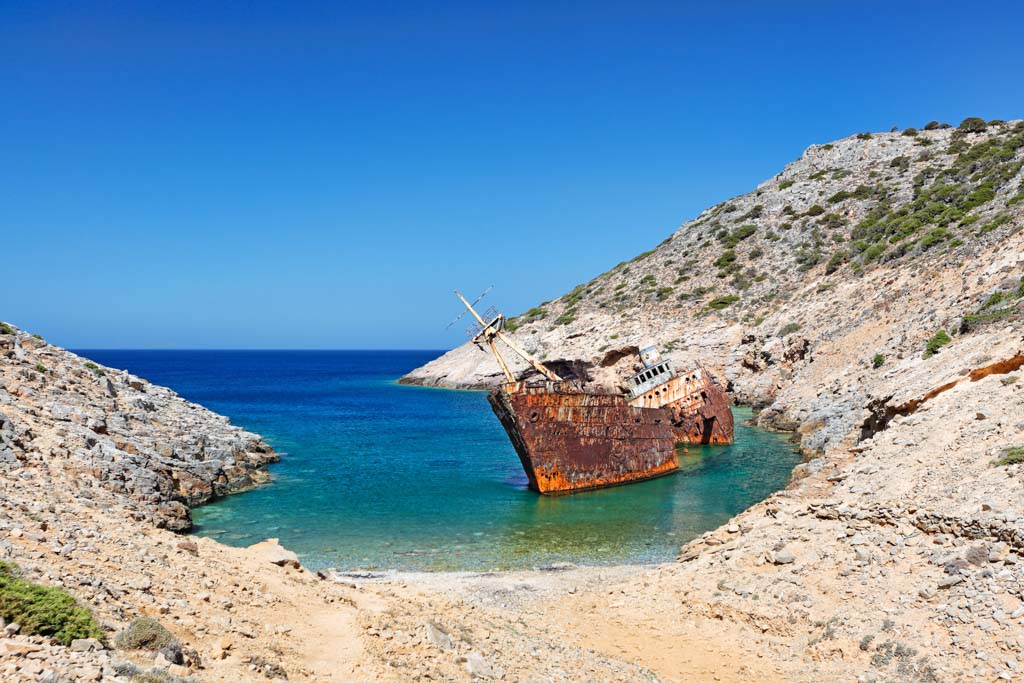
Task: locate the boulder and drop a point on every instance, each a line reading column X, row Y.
column 273, row 552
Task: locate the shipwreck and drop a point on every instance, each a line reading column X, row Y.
column 573, row 439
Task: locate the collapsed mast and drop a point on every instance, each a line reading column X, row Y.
column 488, row 331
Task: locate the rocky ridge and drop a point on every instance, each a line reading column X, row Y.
column 100, row 427
column 857, row 253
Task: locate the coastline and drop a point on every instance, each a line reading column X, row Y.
column 857, row 545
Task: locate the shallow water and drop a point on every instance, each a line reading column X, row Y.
column 378, row 475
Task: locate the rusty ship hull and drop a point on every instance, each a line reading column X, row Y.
column 569, row 440
column 699, row 406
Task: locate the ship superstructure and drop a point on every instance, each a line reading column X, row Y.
column 571, row 439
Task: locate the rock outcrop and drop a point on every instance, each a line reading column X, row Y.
column 856, row 254
column 108, row 428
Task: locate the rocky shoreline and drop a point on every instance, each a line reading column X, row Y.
column 894, row 558
column 894, row 554
column 109, row 428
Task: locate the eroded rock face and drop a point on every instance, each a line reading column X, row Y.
column 789, row 293
column 106, row 427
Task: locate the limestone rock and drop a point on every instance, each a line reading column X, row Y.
column 271, row 551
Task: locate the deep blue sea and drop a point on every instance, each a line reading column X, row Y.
column 378, row 475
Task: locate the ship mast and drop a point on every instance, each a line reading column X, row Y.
column 489, row 331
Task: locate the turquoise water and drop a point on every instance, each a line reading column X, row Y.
column 378, row 475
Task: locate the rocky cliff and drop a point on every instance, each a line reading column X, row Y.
column 862, row 256
column 106, row 428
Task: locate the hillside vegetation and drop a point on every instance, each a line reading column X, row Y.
column 865, row 252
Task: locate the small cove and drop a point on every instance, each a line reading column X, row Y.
column 380, row 476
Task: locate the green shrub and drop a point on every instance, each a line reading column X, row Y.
column 512, row 324
column 145, row 633
column 5, row 329
column 1011, row 456
column 878, row 361
column 96, row 370
column 910, row 132
column 836, row 262
column 994, row 299
column 789, row 329
column 1001, row 219
column 860, row 193
column 786, row 183
column 753, row 213
column 973, row 321
column 993, row 309
column 931, row 125
column 720, row 302
column 726, row 260
column 938, row 340
column 744, row 231
column 575, row 296
column 972, row 124
column 874, row 252
column 40, row 368
column 982, row 194
column 43, row 610
column 815, row 210
column 863, row 136
column 731, row 239
column 901, row 162
column 957, row 146
column 935, row 236
column 566, row 318
column 807, row 258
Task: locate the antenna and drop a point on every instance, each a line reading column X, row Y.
column 461, row 315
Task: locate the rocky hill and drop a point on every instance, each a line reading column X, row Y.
column 869, row 298
column 108, row 428
column 866, row 253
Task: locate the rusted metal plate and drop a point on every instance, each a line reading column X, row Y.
column 569, row 440
column 699, row 406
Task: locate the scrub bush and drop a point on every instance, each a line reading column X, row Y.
column 43, row 610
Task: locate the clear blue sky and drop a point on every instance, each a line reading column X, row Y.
column 321, row 175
